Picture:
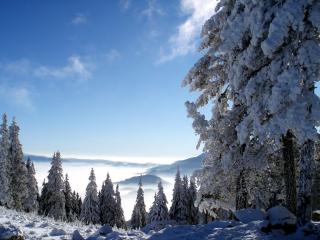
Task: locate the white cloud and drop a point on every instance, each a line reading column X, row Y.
column 125, row 4
column 152, row 9
column 18, row 96
column 112, row 55
column 79, row 19
column 75, row 69
column 184, row 41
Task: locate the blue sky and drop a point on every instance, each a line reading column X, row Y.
column 101, row 78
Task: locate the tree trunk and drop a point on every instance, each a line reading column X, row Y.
column 306, row 167
column 289, row 171
column 316, row 188
column 315, row 198
column 241, row 191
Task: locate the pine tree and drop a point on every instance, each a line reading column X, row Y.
column 184, row 205
column 5, row 196
column 119, row 216
column 76, row 205
column 68, row 199
column 18, row 170
column 44, row 199
column 31, row 204
column 159, row 211
column 55, row 183
column 192, row 196
column 152, row 210
column 177, row 210
column 266, row 68
column 90, row 206
column 139, row 214
column 107, row 203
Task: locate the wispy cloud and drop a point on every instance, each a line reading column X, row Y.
column 17, row 96
column 125, row 4
column 112, row 55
column 184, row 41
column 153, row 9
column 79, row 19
column 75, row 69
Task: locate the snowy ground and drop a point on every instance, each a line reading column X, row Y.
column 36, row 227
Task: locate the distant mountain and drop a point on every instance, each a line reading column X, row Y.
column 146, row 180
column 187, row 166
column 37, row 158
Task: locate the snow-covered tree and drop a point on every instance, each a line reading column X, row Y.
column 107, row 203
column 55, row 186
column 18, row 169
column 192, row 196
column 159, row 209
column 267, row 66
column 139, row 214
column 76, row 205
column 5, row 196
column 90, row 206
column 179, row 209
column 119, row 216
column 31, row 203
column 68, row 199
column 44, row 199
column 184, row 200
column 152, row 211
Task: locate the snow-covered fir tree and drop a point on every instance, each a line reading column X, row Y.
column 119, row 216
column 159, row 209
column 184, row 200
column 90, row 205
column 31, row 203
column 44, row 199
column 56, row 200
column 76, row 205
column 178, row 209
column 192, row 196
column 152, row 210
column 68, row 199
column 107, row 203
column 18, row 170
column 139, row 214
column 5, row 196
column 277, row 45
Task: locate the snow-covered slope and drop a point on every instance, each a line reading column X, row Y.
column 36, row 227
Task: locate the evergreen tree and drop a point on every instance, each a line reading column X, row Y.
column 261, row 77
column 184, row 205
column 119, row 216
column 76, row 205
column 177, row 210
column 152, row 210
column 5, row 196
column 79, row 201
column 55, row 186
column 192, row 196
column 139, row 214
column 68, row 199
column 90, row 206
column 31, row 204
column 18, row 169
column 107, row 203
column 44, row 199
column 159, row 211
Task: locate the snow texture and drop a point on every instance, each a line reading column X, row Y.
column 33, row 227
